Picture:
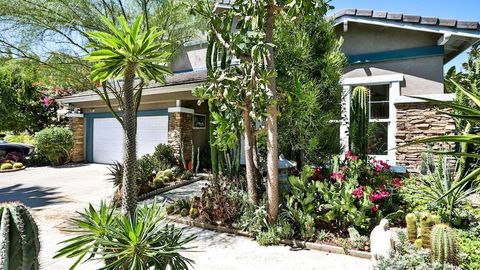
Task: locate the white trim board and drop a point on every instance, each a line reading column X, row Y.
column 181, row 110
column 412, row 99
column 372, row 80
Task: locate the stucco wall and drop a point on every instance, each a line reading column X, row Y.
column 190, row 58
column 423, row 75
column 200, row 136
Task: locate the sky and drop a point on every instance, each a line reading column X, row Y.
column 452, row 9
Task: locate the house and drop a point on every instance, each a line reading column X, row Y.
column 395, row 55
column 398, row 56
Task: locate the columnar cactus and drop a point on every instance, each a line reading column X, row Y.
column 19, row 244
column 411, row 220
column 426, row 224
column 444, row 246
column 358, row 132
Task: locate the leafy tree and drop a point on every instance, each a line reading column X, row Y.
column 54, row 32
column 26, row 103
column 127, row 52
column 251, row 86
column 309, row 64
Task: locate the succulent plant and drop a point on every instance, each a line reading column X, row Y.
column 184, row 212
column 359, row 121
column 418, row 243
column 158, row 183
column 194, row 213
column 19, row 244
column 170, row 209
column 17, row 165
column 411, row 220
column 426, row 224
column 444, row 246
column 6, row 167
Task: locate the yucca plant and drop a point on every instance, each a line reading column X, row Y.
column 133, row 54
column 436, row 186
column 142, row 240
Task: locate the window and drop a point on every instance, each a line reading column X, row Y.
column 379, row 118
column 384, row 90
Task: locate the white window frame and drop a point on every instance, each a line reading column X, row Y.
column 393, row 81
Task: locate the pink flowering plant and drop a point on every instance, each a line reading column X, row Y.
column 356, row 193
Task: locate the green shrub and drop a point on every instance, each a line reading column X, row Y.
column 20, row 138
column 470, row 247
column 17, row 165
column 268, row 237
column 56, row 144
column 145, row 170
column 6, row 166
column 163, row 157
column 142, row 241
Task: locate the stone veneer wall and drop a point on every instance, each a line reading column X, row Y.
column 77, row 126
column 414, row 121
column 181, row 124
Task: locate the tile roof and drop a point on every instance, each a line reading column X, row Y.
column 406, row 18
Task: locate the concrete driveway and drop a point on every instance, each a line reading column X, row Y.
column 54, row 195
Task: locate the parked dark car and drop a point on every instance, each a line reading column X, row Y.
column 20, row 148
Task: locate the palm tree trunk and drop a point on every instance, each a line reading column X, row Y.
column 249, row 163
column 129, row 191
column 272, row 136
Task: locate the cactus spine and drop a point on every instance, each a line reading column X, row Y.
column 426, row 224
column 19, row 244
column 358, row 132
column 411, row 220
column 445, row 245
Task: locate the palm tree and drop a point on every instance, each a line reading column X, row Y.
column 128, row 52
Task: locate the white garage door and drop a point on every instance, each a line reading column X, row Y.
column 108, row 137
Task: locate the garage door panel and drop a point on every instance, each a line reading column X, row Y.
column 108, row 137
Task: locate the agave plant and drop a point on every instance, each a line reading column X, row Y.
column 436, row 186
column 141, row 240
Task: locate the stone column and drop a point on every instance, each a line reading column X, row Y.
column 77, row 126
column 415, row 121
column 180, row 129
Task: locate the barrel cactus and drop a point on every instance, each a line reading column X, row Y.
column 358, row 132
column 411, row 220
column 426, row 224
column 19, row 244
column 445, row 247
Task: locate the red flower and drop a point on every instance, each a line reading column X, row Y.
column 378, row 168
column 379, row 195
column 338, row 176
column 397, row 182
column 358, row 192
column 385, row 165
column 374, row 209
column 354, row 158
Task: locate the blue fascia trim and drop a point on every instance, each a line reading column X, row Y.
column 183, row 71
column 89, row 125
column 160, row 112
column 396, row 55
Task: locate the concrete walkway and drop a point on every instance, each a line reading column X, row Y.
column 55, row 194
